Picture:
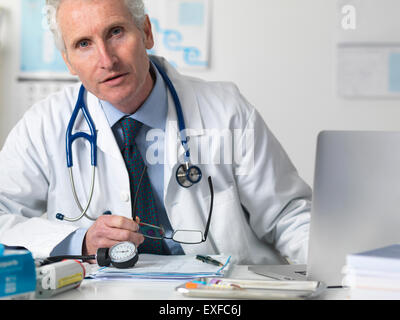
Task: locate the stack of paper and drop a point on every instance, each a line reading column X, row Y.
column 374, row 274
column 166, row 268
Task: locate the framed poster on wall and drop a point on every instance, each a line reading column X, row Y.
column 181, row 30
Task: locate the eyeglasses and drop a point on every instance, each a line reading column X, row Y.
column 183, row 236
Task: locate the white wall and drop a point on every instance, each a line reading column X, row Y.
column 10, row 109
column 281, row 54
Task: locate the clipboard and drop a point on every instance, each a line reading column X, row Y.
column 222, row 288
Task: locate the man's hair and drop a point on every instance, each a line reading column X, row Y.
column 135, row 7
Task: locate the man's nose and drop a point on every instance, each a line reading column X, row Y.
column 106, row 56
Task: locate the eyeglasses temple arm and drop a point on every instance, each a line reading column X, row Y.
column 137, row 193
column 152, row 226
column 211, row 208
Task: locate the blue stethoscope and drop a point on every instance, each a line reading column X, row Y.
column 186, row 174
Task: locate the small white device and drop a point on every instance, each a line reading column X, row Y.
column 58, row 277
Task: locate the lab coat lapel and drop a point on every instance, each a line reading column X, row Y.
column 184, row 207
column 194, row 126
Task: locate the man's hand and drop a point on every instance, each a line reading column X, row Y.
column 108, row 230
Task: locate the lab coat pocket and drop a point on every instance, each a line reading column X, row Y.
column 224, row 196
column 229, row 228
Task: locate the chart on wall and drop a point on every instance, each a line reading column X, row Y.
column 181, row 30
column 369, row 70
column 39, row 57
column 368, row 49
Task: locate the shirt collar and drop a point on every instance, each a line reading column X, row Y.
column 157, row 100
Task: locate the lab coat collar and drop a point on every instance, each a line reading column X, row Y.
column 187, row 97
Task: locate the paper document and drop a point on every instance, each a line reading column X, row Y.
column 152, row 266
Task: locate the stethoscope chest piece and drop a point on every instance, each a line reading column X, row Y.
column 187, row 175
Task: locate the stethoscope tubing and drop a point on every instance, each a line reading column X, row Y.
column 179, row 112
column 70, row 138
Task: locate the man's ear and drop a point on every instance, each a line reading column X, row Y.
column 70, row 68
column 148, row 34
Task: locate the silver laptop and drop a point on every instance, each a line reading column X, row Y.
column 356, row 200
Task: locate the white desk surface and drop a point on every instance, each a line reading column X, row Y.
column 160, row 290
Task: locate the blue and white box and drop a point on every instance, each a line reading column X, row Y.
column 17, row 274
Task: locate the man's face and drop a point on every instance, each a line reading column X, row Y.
column 106, row 50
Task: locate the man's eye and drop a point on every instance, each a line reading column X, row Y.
column 83, row 44
column 116, row 31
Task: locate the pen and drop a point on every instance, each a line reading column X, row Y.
column 208, row 259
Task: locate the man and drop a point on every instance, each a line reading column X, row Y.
column 259, row 199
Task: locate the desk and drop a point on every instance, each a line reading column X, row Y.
column 160, row 290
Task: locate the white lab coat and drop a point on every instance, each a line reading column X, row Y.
column 34, row 178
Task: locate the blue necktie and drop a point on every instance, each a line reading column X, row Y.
column 145, row 206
